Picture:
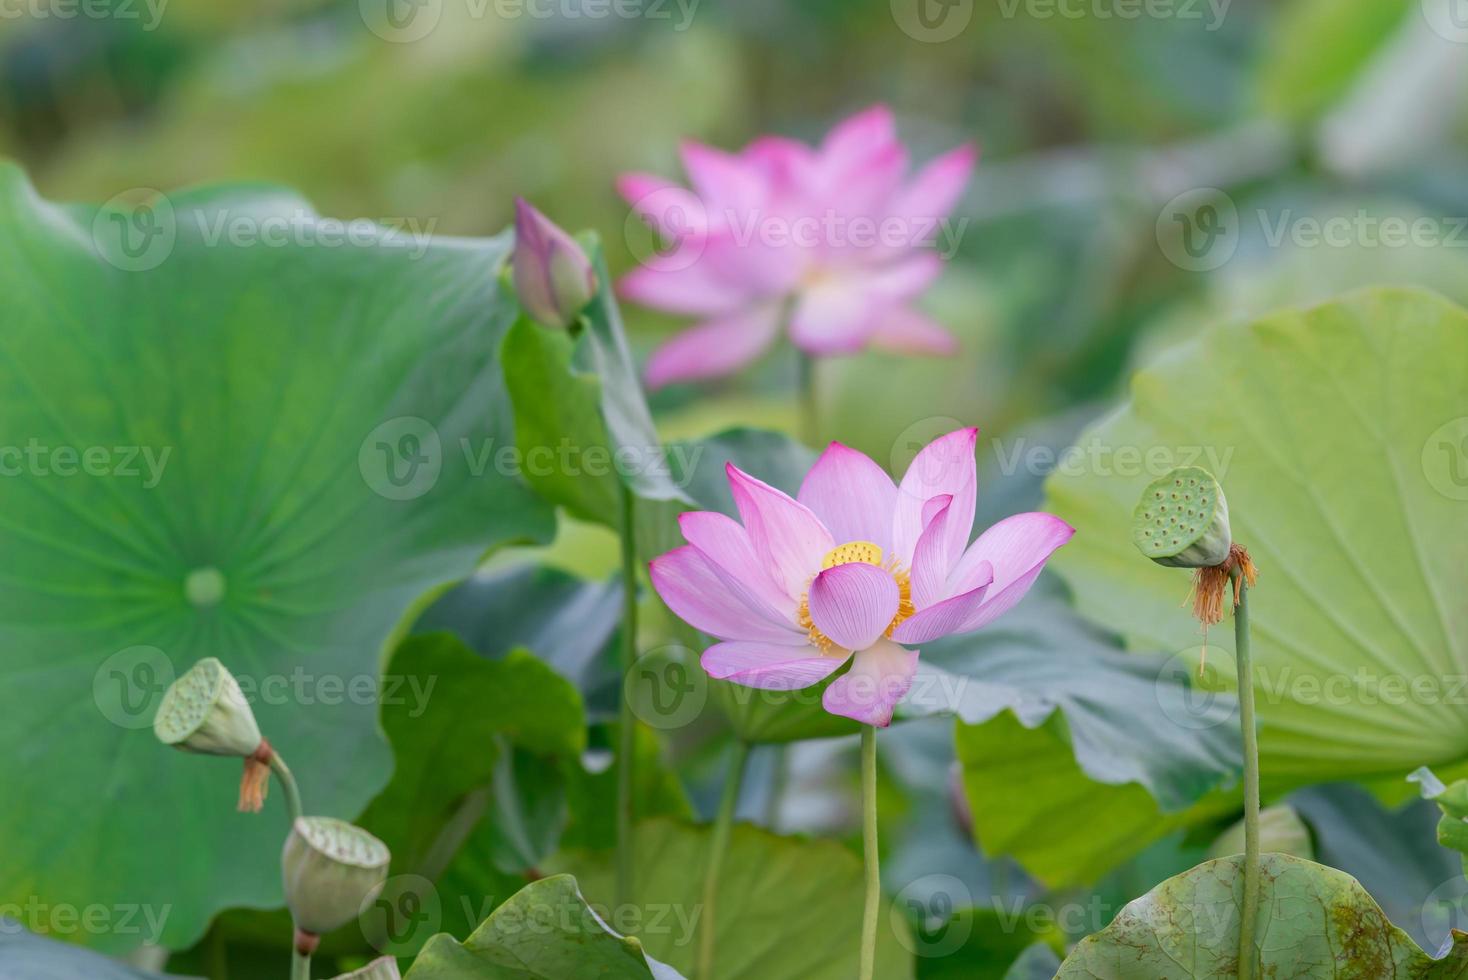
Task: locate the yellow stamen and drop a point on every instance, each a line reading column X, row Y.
column 865, row 553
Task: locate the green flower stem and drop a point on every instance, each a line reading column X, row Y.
column 810, row 421
column 288, row 784
column 1251, row 780
column 300, row 966
column 869, row 851
column 723, row 823
column 626, row 727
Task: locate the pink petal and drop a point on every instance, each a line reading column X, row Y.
column 726, row 546
column 714, row 348
column 831, row 318
column 1016, row 549
column 689, row 585
column 682, row 283
column 853, row 604
column 853, row 496
column 903, row 280
column 940, row 619
column 673, row 211
column 771, row 667
column 906, row 331
column 858, row 137
column 789, row 540
column 934, row 555
column 932, row 193
column 945, row 466
column 787, row 164
column 880, row 676
column 727, row 184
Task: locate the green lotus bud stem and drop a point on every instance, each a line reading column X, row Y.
column 383, row 969
column 554, row 279
column 205, row 711
column 331, row 869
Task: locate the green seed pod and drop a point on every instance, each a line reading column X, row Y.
column 331, row 870
column 205, row 711
column 382, row 969
column 1182, row 520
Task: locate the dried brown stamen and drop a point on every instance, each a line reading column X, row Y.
column 255, row 783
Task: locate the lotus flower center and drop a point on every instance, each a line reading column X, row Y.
column 852, row 553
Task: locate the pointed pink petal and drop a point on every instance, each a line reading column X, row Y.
column 858, row 137
column 853, row 604
column 853, row 496
column 906, row 331
column 880, row 676
column 934, row 556
column 902, row 280
column 942, row 618
column 1016, row 549
column 771, row 667
column 726, row 546
column 727, row 184
column 687, row 582
column 714, row 348
column 932, row 193
column 831, row 318
column 673, row 211
column 945, row 466
column 682, row 283
column 788, row 539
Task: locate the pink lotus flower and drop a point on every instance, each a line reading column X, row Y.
column 854, row 565
column 832, row 237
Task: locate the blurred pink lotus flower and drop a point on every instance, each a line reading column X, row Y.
column 832, row 237
column 853, row 565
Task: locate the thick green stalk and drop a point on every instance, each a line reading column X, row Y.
column 300, row 966
column 287, row 783
column 626, row 727
column 869, row 851
column 1251, row 780
column 810, row 420
column 718, row 845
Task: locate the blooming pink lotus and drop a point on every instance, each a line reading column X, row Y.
column 831, row 236
column 853, row 566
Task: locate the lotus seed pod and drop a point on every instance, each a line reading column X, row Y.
column 382, row 969
column 331, row 870
column 205, row 711
column 1182, row 520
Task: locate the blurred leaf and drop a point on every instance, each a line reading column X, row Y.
column 593, row 795
column 990, row 943
column 1336, row 434
column 1314, row 922
column 1280, row 830
column 24, row 956
column 310, row 401
column 786, row 907
column 1055, row 718
column 1039, row 962
column 545, row 932
column 1316, row 47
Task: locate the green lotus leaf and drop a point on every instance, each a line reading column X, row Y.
column 26, row 956
column 245, row 446
column 785, row 906
column 546, row 931
column 1339, row 434
column 1315, row 923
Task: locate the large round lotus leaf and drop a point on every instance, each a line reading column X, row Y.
column 228, row 429
column 1340, row 434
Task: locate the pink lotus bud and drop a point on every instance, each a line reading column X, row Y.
column 553, row 277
